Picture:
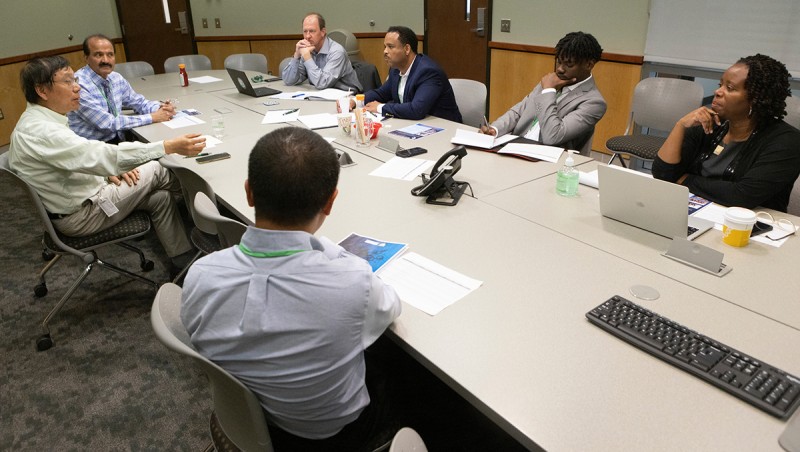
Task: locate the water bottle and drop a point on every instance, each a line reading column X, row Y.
column 567, row 178
column 183, row 75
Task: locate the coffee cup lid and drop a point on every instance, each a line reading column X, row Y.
column 740, row 215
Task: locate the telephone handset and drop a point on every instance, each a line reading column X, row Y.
column 444, row 169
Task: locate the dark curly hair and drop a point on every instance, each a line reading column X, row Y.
column 578, row 47
column 767, row 87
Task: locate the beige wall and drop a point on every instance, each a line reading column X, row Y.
column 619, row 25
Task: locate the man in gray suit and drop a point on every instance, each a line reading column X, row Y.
column 563, row 109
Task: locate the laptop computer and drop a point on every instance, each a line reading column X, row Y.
column 654, row 205
column 243, row 85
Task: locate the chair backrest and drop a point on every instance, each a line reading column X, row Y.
column 407, row 440
column 40, row 211
column 658, row 102
column 794, row 199
column 191, row 184
column 229, row 231
column 284, row 62
column 367, row 75
column 133, row 69
column 348, row 41
column 792, row 111
column 247, row 62
column 238, row 410
column 192, row 62
column 471, row 100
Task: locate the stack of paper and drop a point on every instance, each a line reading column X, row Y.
column 319, row 121
column 480, row 140
column 537, row 151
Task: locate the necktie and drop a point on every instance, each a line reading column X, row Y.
column 109, row 98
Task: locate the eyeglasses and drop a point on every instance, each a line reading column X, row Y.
column 69, row 82
column 782, row 227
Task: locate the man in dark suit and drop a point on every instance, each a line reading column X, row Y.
column 416, row 86
column 563, row 109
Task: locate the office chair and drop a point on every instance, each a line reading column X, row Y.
column 367, row 75
column 284, row 62
column 247, row 62
column 133, row 69
column 229, row 231
column 192, row 62
column 348, row 41
column 407, row 440
column 204, row 234
column 237, row 422
column 55, row 243
column 792, row 112
column 658, row 103
column 471, row 100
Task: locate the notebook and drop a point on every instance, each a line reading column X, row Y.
column 243, row 85
column 654, row 205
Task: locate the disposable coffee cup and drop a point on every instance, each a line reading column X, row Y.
column 345, row 123
column 737, row 226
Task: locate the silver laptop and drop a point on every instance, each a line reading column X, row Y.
column 243, row 85
column 654, row 205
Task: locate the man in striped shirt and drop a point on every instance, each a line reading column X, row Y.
column 104, row 93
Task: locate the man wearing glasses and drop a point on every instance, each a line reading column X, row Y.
column 106, row 93
column 76, row 178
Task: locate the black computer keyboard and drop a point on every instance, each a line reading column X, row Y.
column 752, row 380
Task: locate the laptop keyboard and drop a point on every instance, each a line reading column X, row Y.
column 691, row 231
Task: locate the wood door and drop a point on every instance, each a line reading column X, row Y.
column 453, row 40
column 148, row 37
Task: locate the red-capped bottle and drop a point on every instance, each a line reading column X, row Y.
column 183, row 75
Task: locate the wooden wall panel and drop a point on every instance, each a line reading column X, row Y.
column 514, row 74
column 275, row 51
column 217, row 51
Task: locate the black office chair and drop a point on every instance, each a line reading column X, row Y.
column 57, row 244
column 367, row 75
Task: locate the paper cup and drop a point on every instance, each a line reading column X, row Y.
column 737, row 226
column 376, row 126
column 345, row 122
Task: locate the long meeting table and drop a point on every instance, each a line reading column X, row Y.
column 519, row 348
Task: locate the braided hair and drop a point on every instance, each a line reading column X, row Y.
column 578, row 47
column 767, row 87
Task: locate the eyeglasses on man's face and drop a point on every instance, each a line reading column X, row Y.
column 68, row 81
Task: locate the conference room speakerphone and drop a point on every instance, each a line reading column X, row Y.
column 752, row 380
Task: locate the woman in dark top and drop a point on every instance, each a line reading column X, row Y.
column 756, row 161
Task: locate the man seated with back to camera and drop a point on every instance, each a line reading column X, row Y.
column 416, row 86
column 290, row 314
column 756, row 162
column 105, row 93
column 564, row 107
column 76, row 178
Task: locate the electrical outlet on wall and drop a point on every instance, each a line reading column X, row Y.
column 505, row 25
column 205, row 23
column 216, row 23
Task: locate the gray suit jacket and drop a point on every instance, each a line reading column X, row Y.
column 570, row 123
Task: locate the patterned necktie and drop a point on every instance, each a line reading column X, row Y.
column 109, row 98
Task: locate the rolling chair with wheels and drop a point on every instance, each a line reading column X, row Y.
column 247, row 62
column 192, row 62
column 658, row 103
column 792, row 112
column 237, row 422
column 347, row 40
column 471, row 100
column 284, row 62
column 135, row 225
column 204, row 234
column 133, row 69
column 367, row 75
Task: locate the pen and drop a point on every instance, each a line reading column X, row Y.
column 290, row 112
column 299, row 95
column 198, row 155
column 485, row 122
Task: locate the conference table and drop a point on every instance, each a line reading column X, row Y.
column 519, row 348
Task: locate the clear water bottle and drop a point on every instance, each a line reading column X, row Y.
column 567, row 178
column 183, row 75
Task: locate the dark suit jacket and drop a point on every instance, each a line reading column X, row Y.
column 569, row 123
column 427, row 92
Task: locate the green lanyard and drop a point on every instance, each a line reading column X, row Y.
column 252, row 253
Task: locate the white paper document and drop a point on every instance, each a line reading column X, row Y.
column 183, row 121
column 324, row 94
column 205, row 79
column 280, row 116
column 319, row 121
column 426, row 285
column 211, row 141
column 479, row 140
column 402, row 168
column 537, row 151
column 589, row 179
